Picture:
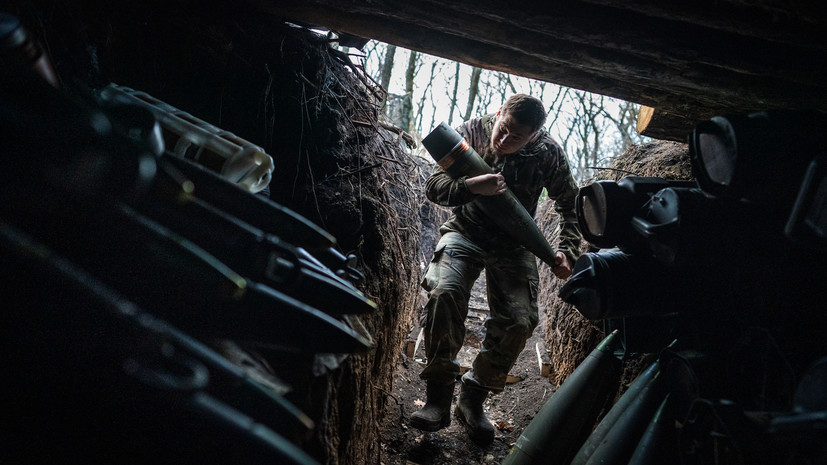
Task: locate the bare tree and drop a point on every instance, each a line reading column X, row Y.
column 373, row 48
column 421, row 105
column 587, row 128
column 433, row 112
column 473, row 90
column 538, row 89
column 495, row 88
column 555, row 109
column 625, row 121
column 386, row 69
column 506, row 86
column 407, row 99
column 453, row 96
column 484, row 97
column 591, row 128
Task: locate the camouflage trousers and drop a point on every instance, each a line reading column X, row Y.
column 512, row 280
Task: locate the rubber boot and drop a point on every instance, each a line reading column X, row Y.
column 470, row 413
column 436, row 414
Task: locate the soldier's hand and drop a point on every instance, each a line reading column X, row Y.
column 486, row 184
column 563, row 268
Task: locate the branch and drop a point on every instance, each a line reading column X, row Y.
column 612, row 169
column 409, row 140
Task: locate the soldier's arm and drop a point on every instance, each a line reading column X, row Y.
column 443, row 190
column 563, row 190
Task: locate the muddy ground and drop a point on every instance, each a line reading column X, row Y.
column 510, row 411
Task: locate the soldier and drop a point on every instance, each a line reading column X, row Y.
column 526, row 159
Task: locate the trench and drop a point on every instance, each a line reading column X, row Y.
column 353, row 184
column 527, row 389
column 99, row 300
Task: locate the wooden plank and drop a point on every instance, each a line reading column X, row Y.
column 413, row 344
column 544, row 366
column 545, row 370
column 539, row 357
column 660, row 124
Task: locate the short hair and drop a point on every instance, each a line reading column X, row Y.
column 526, row 109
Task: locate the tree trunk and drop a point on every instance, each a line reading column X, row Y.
column 473, row 90
column 454, row 96
column 421, row 104
column 407, row 100
column 386, row 69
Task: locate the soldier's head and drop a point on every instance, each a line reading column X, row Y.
column 517, row 123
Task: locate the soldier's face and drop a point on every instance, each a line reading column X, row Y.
column 509, row 136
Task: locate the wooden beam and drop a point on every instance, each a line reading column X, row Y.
column 780, row 21
column 692, row 49
column 438, row 43
column 412, row 345
column 663, row 125
column 658, row 123
column 671, row 84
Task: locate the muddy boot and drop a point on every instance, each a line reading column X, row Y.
column 436, row 414
column 470, row 413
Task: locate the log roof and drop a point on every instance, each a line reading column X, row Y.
column 686, row 60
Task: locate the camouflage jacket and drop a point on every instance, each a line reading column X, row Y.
column 541, row 163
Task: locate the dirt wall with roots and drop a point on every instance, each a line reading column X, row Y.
column 315, row 111
column 569, row 335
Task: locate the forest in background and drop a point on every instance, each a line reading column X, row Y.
column 424, row 90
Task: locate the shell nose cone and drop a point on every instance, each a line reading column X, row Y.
column 441, row 141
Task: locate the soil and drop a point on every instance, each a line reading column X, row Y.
column 510, row 411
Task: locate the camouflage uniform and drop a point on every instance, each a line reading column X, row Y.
column 470, row 242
